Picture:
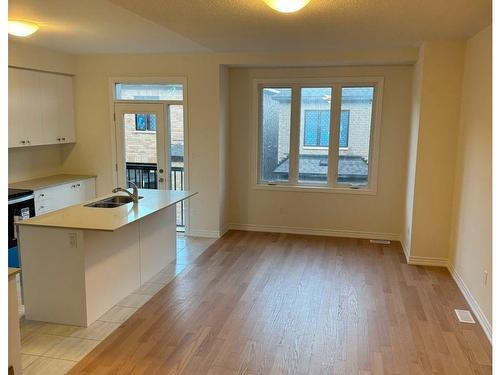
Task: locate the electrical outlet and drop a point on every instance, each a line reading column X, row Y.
column 72, row 240
column 485, row 278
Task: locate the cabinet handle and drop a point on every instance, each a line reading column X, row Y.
column 22, row 142
column 42, row 195
column 28, row 141
column 78, row 185
column 59, row 139
column 42, row 207
column 73, row 186
column 64, row 139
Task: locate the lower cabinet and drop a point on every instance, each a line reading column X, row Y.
column 61, row 196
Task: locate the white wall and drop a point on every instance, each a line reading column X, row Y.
column 92, row 152
column 37, row 161
column 224, row 155
column 471, row 243
column 412, row 152
column 438, row 107
column 380, row 214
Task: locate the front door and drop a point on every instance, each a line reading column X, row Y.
column 142, row 149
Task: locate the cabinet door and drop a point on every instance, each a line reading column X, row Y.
column 88, row 189
column 66, row 109
column 24, row 108
column 50, row 108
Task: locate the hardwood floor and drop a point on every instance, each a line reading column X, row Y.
column 264, row 303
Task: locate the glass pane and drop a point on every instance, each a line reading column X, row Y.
column 275, row 147
column 354, row 137
column 315, row 105
column 176, row 125
column 140, row 150
column 153, row 91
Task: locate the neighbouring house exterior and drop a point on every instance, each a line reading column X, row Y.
column 140, row 145
column 354, row 137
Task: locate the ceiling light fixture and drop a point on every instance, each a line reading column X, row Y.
column 22, row 28
column 287, row 6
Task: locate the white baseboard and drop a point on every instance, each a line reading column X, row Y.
column 476, row 309
column 203, row 233
column 427, row 261
column 315, row 232
column 422, row 261
column 406, row 250
column 224, row 230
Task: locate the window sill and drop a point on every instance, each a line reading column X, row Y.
column 316, row 189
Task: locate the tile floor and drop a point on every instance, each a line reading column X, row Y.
column 54, row 349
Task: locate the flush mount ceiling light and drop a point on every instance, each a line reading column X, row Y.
column 287, row 6
column 22, row 28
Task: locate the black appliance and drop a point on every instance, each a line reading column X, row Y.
column 21, row 207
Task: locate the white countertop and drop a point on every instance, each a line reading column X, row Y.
column 48, row 181
column 109, row 219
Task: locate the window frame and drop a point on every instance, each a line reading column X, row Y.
column 336, row 83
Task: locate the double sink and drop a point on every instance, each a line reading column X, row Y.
column 112, row 202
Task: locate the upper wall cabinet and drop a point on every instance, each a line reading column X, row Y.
column 40, row 108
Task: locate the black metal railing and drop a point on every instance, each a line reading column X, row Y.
column 145, row 176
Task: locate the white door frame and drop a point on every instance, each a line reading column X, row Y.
column 162, row 140
column 112, row 81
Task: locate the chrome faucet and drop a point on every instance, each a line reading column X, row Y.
column 134, row 195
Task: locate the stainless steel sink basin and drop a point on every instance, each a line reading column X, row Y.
column 111, row 202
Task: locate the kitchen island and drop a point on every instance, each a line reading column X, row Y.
column 80, row 261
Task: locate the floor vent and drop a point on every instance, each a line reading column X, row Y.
column 464, row 316
column 381, row 242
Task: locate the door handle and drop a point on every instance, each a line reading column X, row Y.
column 160, row 170
column 161, row 179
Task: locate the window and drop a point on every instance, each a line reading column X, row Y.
column 344, row 129
column 315, row 103
column 318, row 133
column 145, row 122
column 317, row 128
column 149, row 91
column 275, row 146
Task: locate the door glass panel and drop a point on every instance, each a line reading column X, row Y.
column 275, row 147
column 354, row 136
column 176, row 127
column 141, row 149
column 315, row 103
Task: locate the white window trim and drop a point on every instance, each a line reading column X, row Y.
column 331, row 186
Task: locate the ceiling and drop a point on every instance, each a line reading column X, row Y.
column 95, row 26
column 246, row 25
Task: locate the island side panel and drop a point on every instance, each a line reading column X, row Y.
column 52, row 263
column 158, row 241
column 112, row 268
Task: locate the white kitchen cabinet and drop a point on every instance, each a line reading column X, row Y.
column 41, row 109
column 66, row 109
column 25, row 126
column 64, row 195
